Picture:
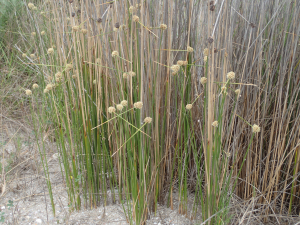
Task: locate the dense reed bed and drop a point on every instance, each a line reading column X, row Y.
column 154, row 99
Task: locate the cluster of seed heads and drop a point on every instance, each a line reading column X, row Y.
column 205, row 59
column 237, row 91
column 190, row 49
column 28, row 92
column 135, row 18
column 114, row 53
column 163, row 26
column 35, row 86
column 75, row 28
column 148, row 120
column 111, row 109
column 205, row 52
column 50, row 51
column 203, row 80
column 43, row 33
column 175, row 69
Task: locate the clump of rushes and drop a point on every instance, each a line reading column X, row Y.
column 30, row 5
column 190, row 49
column 215, row 124
column 50, row 51
column 230, row 75
column 138, row 105
column 203, row 80
column 124, row 103
column 114, row 54
column 255, row 128
column 175, row 69
column 148, row 120
column 189, row 106
column 35, row 86
column 75, row 28
column 180, row 62
column 120, row 107
column 135, row 18
column 28, row 92
column 163, row 26
column 111, row 109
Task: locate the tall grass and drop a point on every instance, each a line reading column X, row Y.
column 116, row 63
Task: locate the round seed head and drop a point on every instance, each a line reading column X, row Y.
column 205, row 52
column 132, row 9
column 24, row 55
column 224, row 90
column 30, row 5
column 185, row 63
column 75, row 28
column 203, row 80
column 32, row 56
column 230, row 75
column 98, row 60
column 138, row 105
column 94, row 82
column 111, row 109
column 46, row 90
column 73, row 76
column 43, row 33
column 115, row 29
column 69, row 67
column 114, row 53
column 205, row 59
column 124, row 103
column 189, row 106
column 58, row 75
column 125, row 75
column 34, row 86
column 42, row 13
column 255, row 128
column 175, row 68
column 131, row 73
column 49, row 87
column 215, row 124
column 180, row 63
column 50, row 51
column 34, row 8
column 84, row 31
column 120, row 107
column 28, row 92
column 237, row 91
column 148, row 120
column 163, row 26
column 135, row 18
column 190, row 49
column 33, row 34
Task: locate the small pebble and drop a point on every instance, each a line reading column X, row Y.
column 39, row 221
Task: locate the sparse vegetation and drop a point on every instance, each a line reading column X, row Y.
column 151, row 99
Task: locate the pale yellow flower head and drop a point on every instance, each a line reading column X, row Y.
column 34, row 86
column 203, row 80
column 180, row 63
column 138, row 105
column 84, row 31
column 205, row 52
column 50, row 51
column 135, row 18
column 33, row 34
column 30, row 5
column 205, row 59
column 148, row 120
column 111, row 109
column 189, row 106
column 114, row 53
column 163, row 26
column 190, row 49
column 255, row 128
column 28, row 92
column 175, row 68
column 230, row 75
column 237, row 91
column 43, row 33
column 75, row 28
column 124, row 103
column 120, row 107
column 215, row 124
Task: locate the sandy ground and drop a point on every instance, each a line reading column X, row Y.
column 24, row 194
